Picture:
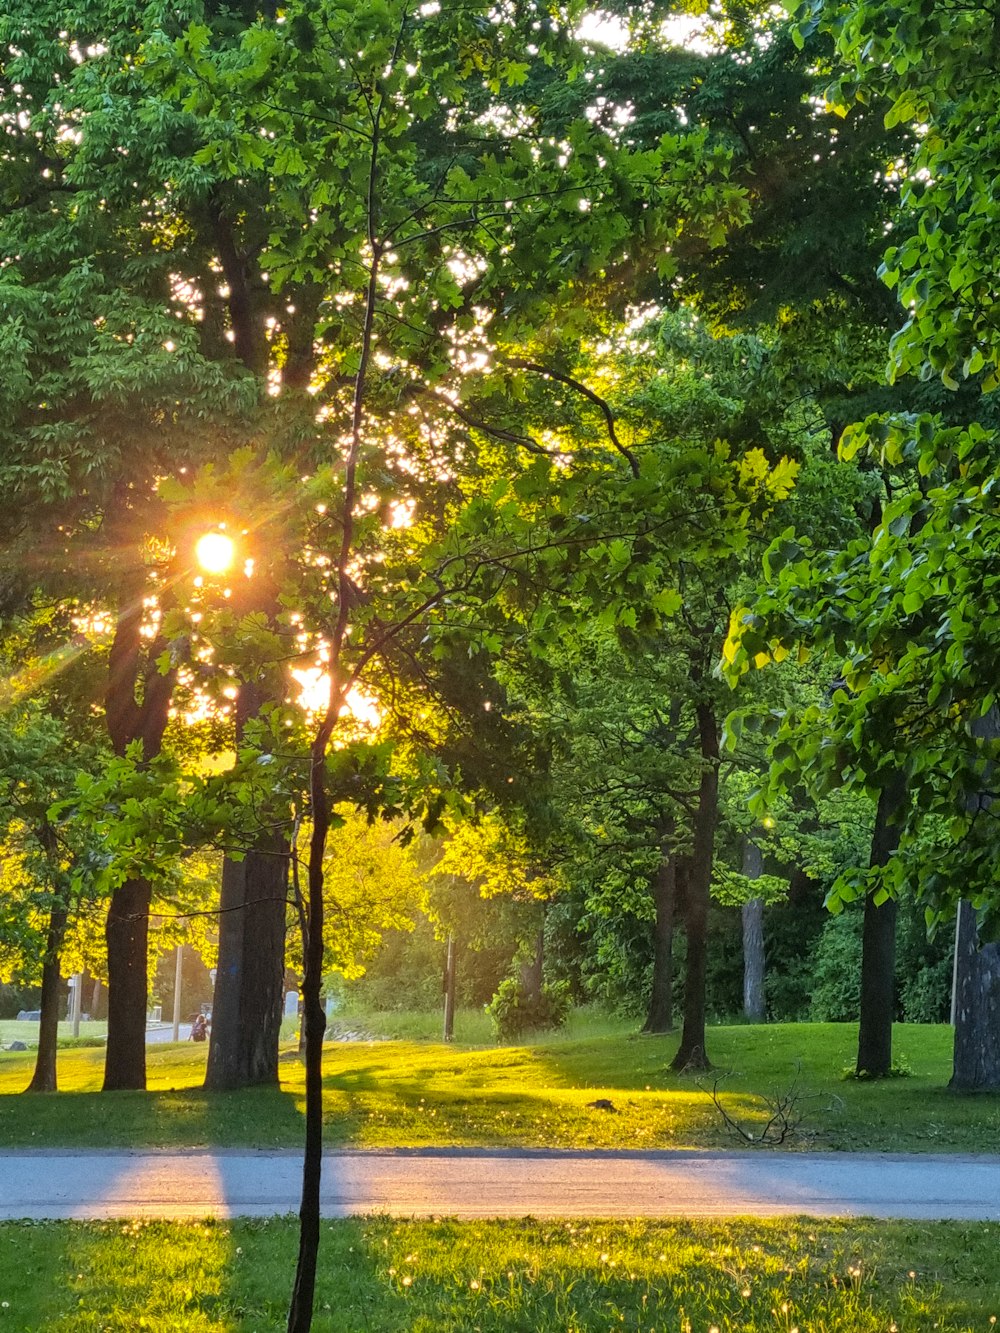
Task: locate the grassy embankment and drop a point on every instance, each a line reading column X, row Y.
column 413, row 1093
column 737, row 1277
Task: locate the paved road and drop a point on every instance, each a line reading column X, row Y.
column 487, row 1183
column 159, row 1035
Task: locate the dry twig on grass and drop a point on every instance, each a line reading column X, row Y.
column 786, row 1113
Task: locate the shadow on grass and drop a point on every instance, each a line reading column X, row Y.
column 258, row 1117
column 419, row 1094
column 205, row 1277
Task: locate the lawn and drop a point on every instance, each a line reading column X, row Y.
column 412, row 1093
column 13, row 1030
column 737, row 1277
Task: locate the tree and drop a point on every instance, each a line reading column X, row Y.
column 942, row 265
column 414, row 191
column 634, row 702
column 110, row 387
column 49, row 862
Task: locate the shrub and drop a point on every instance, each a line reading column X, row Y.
column 926, row 996
column 514, row 1011
column 836, row 996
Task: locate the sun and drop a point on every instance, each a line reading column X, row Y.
column 215, row 552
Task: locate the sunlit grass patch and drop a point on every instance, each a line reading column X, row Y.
column 419, row 1093
column 385, row 1275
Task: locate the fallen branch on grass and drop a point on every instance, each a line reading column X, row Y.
column 786, row 1113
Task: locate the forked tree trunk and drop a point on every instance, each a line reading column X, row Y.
column 660, row 1017
column 246, row 1008
column 878, row 946
column 976, row 1061
column 754, row 961
column 250, row 972
column 691, row 1053
column 44, row 1078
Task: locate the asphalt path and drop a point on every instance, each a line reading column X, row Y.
column 474, row 1183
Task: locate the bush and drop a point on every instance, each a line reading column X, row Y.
column 926, row 996
column 836, row 996
column 513, row 1011
column 923, row 969
column 15, row 998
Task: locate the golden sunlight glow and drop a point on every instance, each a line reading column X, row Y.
column 314, row 696
column 215, row 552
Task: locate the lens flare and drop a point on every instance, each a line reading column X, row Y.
column 215, row 552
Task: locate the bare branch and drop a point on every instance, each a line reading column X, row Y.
column 591, row 396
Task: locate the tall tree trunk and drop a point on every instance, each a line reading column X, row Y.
column 533, row 970
column 976, row 1061
column 137, row 705
column 246, row 1008
column 660, row 1017
column 754, row 1004
column 127, row 936
column 246, row 1004
column 976, row 975
column 300, row 1310
column 691, row 1053
column 449, row 990
column 878, row 945
column 44, row 1077
column 242, row 278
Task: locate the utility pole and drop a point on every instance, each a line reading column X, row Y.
column 178, row 977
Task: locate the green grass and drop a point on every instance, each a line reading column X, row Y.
column 472, row 1026
column 12, row 1030
column 395, row 1093
column 737, row 1277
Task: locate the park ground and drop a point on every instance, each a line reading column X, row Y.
column 377, row 1274
column 414, row 1092
column 401, row 1089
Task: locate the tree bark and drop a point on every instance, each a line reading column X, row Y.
column 246, row 1006
column 300, row 1308
column 976, row 1060
column 127, row 936
column 44, row 1078
column 691, row 1053
column 132, row 672
column 754, row 961
column 300, row 336
column 878, row 946
column 533, row 970
column 976, row 974
column 246, row 1003
column 249, row 339
column 660, row 1017
column 449, row 990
